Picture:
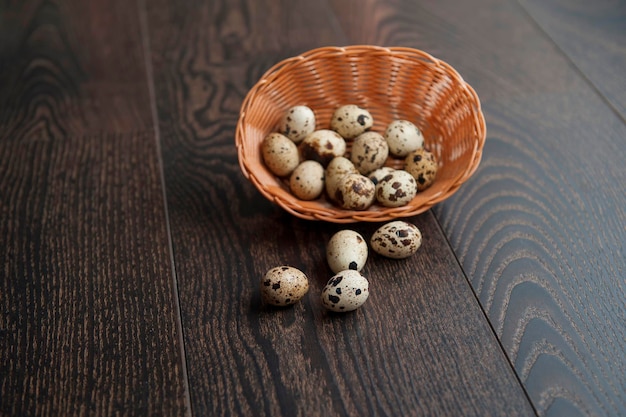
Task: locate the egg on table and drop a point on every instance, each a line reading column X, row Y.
column 346, row 291
column 284, row 285
column 346, row 249
column 397, row 239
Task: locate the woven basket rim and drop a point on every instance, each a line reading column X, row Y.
column 312, row 211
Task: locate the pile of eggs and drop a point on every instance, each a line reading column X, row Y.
column 318, row 161
column 346, row 254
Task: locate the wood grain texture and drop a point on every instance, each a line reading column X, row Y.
column 88, row 324
column 420, row 346
column 64, row 75
column 549, row 270
column 89, row 319
column 540, row 228
column 593, row 35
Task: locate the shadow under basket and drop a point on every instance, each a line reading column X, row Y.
column 394, row 83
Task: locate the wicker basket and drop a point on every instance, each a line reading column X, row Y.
column 391, row 83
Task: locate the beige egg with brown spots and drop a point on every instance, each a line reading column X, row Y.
column 346, row 291
column 322, row 146
column 280, row 154
column 307, row 180
column 422, row 165
column 397, row 239
column 297, row 123
column 355, row 192
column 284, row 285
column 403, row 137
column 369, row 152
column 396, row 189
column 346, row 249
column 334, row 172
column 350, row 121
column 379, row 174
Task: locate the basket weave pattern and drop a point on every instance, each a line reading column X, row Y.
column 391, row 83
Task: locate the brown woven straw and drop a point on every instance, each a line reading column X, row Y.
column 392, row 84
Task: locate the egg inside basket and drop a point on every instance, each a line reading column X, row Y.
column 393, row 83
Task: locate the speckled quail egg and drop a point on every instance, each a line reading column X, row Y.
column 307, row 180
column 322, row 146
column 346, row 291
column 403, row 137
column 422, row 165
column 297, row 123
column 355, row 192
column 346, row 249
column 280, row 154
column 396, row 189
column 335, row 171
column 351, row 120
column 284, row 285
column 397, row 239
column 379, row 174
column 369, row 152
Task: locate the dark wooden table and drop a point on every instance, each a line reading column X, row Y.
column 131, row 246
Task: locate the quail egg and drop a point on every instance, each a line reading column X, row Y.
column 369, row 152
column 379, row 174
column 280, row 154
column 284, row 285
column 397, row 239
column 396, row 189
column 351, row 120
column 322, row 146
column 422, row 165
column 355, row 192
column 403, row 137
column 307, row 180
column 297, row 123
column 346, row 291
column 335, row 171
column 346, row 249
